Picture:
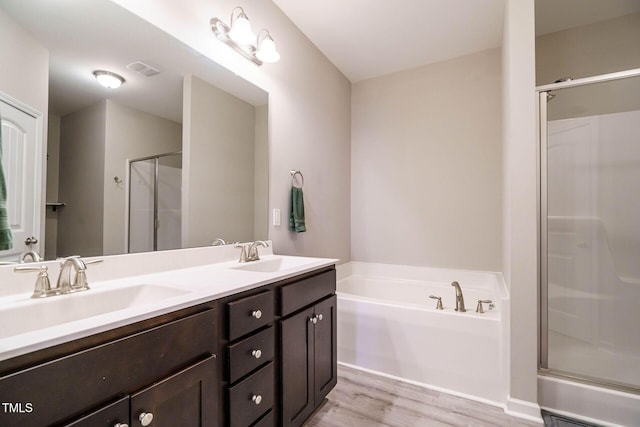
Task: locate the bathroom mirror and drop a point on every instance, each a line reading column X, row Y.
column 206, row 127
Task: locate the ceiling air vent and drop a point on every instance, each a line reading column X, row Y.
column 142, row 68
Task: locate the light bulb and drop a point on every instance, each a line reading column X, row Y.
column 267, row 51
column 241, row 30
column 108, row 79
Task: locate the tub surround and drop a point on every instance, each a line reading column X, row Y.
column 389, row 325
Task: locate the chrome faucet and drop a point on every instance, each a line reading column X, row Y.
column 35, row 257
column 459, row 297
column 65, row 285
column 249, row 251
column 253, row 255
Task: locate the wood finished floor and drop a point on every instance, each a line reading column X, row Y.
column 363, row 400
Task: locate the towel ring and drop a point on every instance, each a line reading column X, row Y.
column 293, row 178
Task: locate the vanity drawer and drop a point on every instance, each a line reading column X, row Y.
column 250, row 313
column 252, row 397
column 248, row 354
column 266, row 421
column 306, row 291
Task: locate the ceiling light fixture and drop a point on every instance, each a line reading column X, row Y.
column 108, row 79
column 239, row 36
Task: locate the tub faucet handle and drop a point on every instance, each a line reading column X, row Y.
column 480, row 302
column 439, row 303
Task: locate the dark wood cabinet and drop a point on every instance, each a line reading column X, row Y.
column 73, row 389
column 309, row 360
column 267, row 358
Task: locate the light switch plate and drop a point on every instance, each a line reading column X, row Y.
column 276, row 217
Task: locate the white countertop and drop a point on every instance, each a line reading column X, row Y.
column 192, row 286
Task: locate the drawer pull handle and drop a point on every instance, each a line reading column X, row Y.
column 257, row 354
column 257, row 314
column 146, row 418
column 256, row 399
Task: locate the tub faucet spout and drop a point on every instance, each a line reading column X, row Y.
column 459, row 297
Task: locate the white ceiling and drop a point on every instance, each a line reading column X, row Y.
column 83, row 36
column 370, row 38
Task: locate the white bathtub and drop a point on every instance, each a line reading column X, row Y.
column 388, row 324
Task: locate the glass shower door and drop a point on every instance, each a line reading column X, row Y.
column 590, row 248
column 155, row 217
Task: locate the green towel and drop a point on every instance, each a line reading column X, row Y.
column 6, row 241
column 296, row 211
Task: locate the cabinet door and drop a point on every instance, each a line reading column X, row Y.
column 325, row 352
column 108, row 416
column 186, row 399
column 297, row 368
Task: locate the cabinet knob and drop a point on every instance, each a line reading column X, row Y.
column 121, row 425
column 313, row 319
column 146, row 418
column 257, row 314
column 257, row 354
column 256, row 399
column 319, row 316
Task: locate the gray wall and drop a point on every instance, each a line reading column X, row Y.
column 426, row 165
column 130, row 134
column 309, row 116
column 261, row 174
column 589, row 50
column 82, row 154
column 218, row 158
column 53, row 168
column 519, row 261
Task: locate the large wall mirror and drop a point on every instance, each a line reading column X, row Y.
column 176, row 157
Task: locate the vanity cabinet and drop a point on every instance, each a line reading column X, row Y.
column 309, row 352
column 169, row 371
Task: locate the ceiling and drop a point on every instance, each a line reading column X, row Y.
column 83, row 36
column 371, row 38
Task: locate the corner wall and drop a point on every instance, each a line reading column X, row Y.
column 426, row 165
column 309, row 116
column 520, row 255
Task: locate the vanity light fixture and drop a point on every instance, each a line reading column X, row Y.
column 108, row 79
column 239, row 36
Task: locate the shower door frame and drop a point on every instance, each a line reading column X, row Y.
column 156, row 175
column 542, row 93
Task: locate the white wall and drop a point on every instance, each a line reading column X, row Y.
column 82, row 154
column 25, row 77
column 309, row 115
column 519, row 203
column 53, row 169
column 218, row 155
column 129, row 134
column 426, row 165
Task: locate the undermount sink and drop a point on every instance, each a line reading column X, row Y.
column 37, row 314
column 273, row 265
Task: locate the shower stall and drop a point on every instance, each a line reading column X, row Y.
column 155, row 192
column 590, row 232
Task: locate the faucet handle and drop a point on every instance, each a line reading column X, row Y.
column 439, row 303
column 480, row 302
column 43, row 285
column 243, row 251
